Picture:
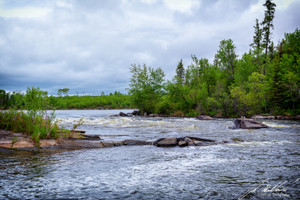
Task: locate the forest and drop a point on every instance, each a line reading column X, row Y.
column 265, row 80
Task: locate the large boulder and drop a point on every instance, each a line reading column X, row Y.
column 244, row 123
column 166, row 142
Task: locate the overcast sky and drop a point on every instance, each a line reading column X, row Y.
column 89, row 45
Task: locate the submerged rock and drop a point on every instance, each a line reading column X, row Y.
column 244, row 123
column 135, row 142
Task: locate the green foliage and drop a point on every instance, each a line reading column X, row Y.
column 257, row 83
column 146, row 87
column 225, row 59
column 112, row 101
column 63, row 91
column 78, row 123
column 230, row 88
column 35, row 121
column 180, row 73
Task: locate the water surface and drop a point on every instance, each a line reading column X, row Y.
column 268, row 158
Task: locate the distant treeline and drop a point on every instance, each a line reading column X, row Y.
column 115, row 100
column 264, row 80
column 111, row 101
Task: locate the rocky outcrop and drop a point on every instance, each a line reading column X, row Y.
column 245, row 123
column 184, row 141
column 204, row 117
column 19, row 141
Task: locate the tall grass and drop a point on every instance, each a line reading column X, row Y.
column 34, row 121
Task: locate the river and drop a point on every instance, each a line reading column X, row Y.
column 264, row 166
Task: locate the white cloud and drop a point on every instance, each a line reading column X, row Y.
column 184, row 6
column 90, row 45
column 23, row 12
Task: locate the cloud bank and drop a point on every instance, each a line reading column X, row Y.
column 88, row 46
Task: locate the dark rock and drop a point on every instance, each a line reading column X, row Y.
column 135, row 142
column 166, row 142
column 90, row 137
column 204, row 117
column 244, row 123
column 123, row 114
column 135, row 112
column 237, row 140
column 202, row 139
column 78, row 131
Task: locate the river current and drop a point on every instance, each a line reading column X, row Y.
column 256, row 164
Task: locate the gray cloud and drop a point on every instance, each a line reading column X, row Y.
column 90, row 45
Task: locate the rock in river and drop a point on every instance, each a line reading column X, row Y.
column 204, row 117
column 166, row 142
column 244, row 123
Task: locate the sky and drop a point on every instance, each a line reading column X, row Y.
column 88, row 46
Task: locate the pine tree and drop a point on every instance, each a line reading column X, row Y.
column 180, row 74
column 268, row 24
column 256, row 45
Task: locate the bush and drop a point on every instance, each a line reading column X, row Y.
column 35, row 121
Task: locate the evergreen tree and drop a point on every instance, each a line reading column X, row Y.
column 268, row 24
column 257, row 39
column 180, row 73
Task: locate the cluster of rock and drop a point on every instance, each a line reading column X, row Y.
column 138, row 113
column 184, row 141
column 125, row 143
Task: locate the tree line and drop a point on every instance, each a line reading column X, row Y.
column 265, row 80
column 114, row 100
